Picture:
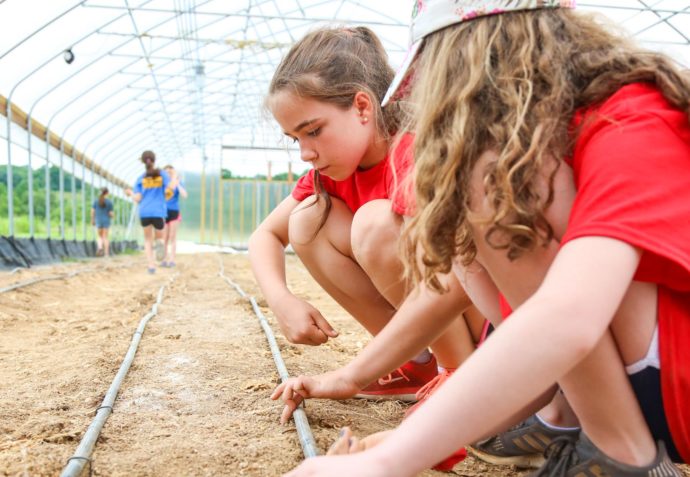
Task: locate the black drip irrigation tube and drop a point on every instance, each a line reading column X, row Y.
column 75, row 464
column 26, row 283
column 306, row 438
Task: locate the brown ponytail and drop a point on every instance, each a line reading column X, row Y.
column 101, row 198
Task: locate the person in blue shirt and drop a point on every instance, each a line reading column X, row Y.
column 173, row 219
column 101, row 213
column 151, row 191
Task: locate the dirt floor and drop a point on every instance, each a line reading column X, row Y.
column 195, row 401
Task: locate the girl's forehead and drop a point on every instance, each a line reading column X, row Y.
column 291, row 110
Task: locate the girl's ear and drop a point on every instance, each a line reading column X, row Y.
column 362, row 103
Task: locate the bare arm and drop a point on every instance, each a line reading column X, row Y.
column 299, row 321
column 136, row 197
column 548, row 335
column 421, row 319
column 183, row 191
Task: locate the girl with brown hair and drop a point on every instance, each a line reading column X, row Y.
column 151, row 190
column 552, row 163
column 344, row 217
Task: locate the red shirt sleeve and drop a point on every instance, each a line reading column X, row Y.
column 304, row 187
column 632, row 172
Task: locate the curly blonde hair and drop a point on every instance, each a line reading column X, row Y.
column 510, row 84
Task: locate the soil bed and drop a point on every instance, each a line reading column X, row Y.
column 195, row 402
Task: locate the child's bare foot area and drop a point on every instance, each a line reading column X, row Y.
column 347, row 443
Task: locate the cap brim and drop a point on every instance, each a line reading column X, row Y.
column 401, row 76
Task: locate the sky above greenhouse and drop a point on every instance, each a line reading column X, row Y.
column 186, row 76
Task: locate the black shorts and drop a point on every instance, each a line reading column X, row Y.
column 172, row 215
column 647, row 387
column 157, row 222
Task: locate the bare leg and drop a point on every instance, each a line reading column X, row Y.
column 99, row 242
column 597, row 388
column 375, row 233
column 166, row 241
column 330, row 251
column 171, row 240
column 611, row 415
column 559, row 413
column 105, row 241
column 148, row 245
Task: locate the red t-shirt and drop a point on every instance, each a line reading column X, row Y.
column 631, row 165
column 386, row 180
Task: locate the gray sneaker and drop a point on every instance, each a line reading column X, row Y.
column 569, row 458
column 522, row 445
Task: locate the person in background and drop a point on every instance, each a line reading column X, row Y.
column 173, row 219
column 151, row 191
column 101, row 214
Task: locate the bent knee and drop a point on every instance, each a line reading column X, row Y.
column 312, row 218
column 375, row 232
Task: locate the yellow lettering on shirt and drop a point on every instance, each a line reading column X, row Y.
column 152, row 182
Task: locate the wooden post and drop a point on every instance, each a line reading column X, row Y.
column 231, row 210
column 269, row 179
column 202, row 225
column 241, row 183
column 221, row 189
column 211, row 209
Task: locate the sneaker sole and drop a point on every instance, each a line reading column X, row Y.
column 387, row 397
column 533, row 461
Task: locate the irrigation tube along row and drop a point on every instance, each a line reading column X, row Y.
column 304, row 433
column 75, row 464
column 26, row 283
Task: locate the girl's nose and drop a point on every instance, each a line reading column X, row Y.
column 307, row 154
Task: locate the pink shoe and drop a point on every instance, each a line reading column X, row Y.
column 430, row 388
column 402, row 384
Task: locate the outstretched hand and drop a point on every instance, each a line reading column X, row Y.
column 331, row 385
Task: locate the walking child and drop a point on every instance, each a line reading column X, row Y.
column 173, row 219
column 151, row 190
column 101, row 215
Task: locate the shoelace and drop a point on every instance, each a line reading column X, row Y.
column 389, row 377
column 429, row 388
column 560, row 456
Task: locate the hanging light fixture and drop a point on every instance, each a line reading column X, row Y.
column 68, row 56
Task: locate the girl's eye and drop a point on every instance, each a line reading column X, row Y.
column 294, row 140
column 314, row 132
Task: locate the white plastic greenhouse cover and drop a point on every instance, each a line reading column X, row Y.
column 180, row 75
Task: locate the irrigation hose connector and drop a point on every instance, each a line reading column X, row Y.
column 75, row 464
column 306, row 438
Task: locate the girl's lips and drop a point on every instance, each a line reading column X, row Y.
column 321, row 169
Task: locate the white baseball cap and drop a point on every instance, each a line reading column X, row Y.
column 429, row 16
